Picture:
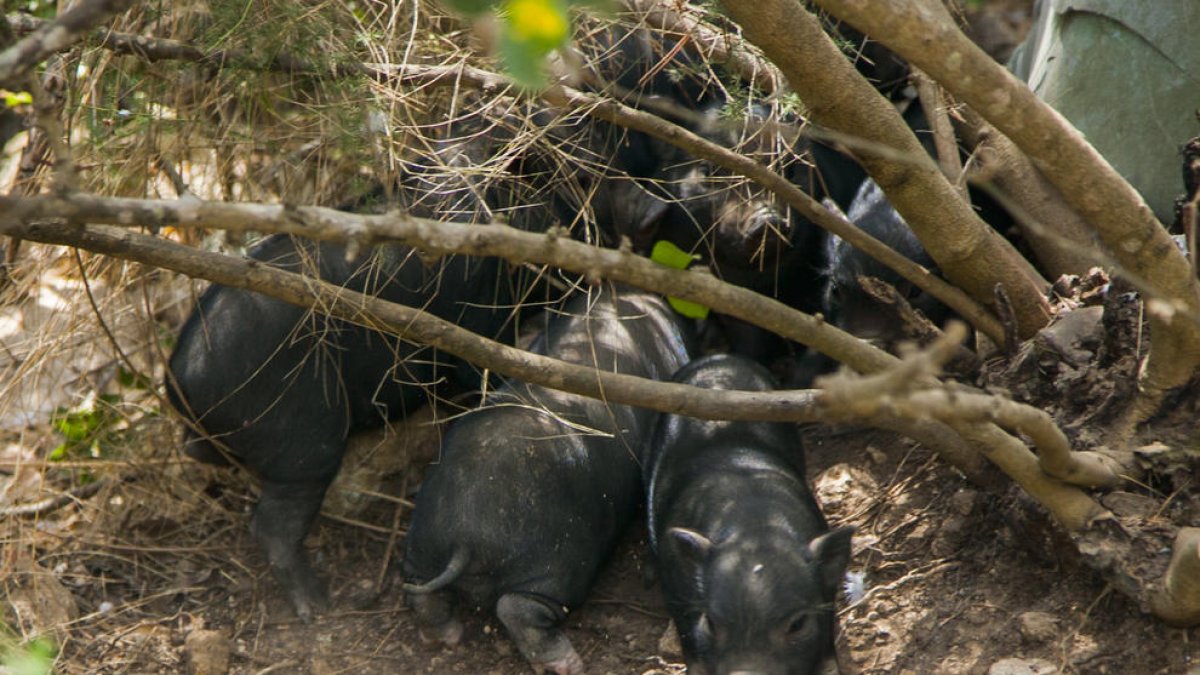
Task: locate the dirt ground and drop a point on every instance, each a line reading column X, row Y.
column 148, row 567
column 157, row 571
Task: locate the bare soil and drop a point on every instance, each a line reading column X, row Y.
column 157, row 571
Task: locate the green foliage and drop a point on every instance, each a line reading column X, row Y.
column 13, row 99
column 532, row 29
column 35, row 657
column 670, row 255
column 87, row 429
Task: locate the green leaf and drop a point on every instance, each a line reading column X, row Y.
column 539, row 24
column 33, row 658
column 12, row 99
column 688, row 308
column 523, row 64
column 531, row 30
column 666, row 253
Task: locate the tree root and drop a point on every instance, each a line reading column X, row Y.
column 1178, row 602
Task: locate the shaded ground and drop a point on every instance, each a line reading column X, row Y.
column 956, row 581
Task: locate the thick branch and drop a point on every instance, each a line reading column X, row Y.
column 909, row 391
column 17, row 61
column 417, row 326
column 925, row 34
column 969, row 253
column 1060, row 239
column 441, row 238
column 1178, row 603
column 1070, row 506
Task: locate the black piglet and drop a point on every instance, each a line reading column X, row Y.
column 748, row 565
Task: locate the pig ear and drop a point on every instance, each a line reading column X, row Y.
column 694, row 545
column 636, row 212
column 830, row 552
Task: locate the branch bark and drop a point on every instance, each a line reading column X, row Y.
column 70, row 27
column 438, row 238
column 969, row 253
column 1071, row 507
column 1087, row 182
column 1061, row 241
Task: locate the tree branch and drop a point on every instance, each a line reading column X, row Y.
column 969, row 253
column 1068, row 505
column 631, row 118
column 17, row 61
column 163, row 49
column 1086, row 180
column 438, row 238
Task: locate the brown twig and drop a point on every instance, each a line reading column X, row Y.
column 17, row 62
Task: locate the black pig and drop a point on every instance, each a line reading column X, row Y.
column 282, row 387
column 846, row 304
column 745, row 233
column 533, row 489
column 748, row 565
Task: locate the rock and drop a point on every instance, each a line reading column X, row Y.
column 208, row 652
column 1070, row 330
column 1038, row 627
column 668, row 644
column 844, row 490
column 1022, row 667
column 1131, row 505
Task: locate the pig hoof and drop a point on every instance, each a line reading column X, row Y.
column 309, row 601
column 449, row 633
column 570, row 664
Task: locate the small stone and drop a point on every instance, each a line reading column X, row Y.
column 1022, row 667
column 1131, row 505
column 668, row 644
column 1038, row 627
column 208, row 652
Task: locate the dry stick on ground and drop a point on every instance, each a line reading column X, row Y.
column 17, row 62
column 969, row 253
column 923, row 32
column 1072, row 508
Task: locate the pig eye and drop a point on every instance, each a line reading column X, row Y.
column 800, row 627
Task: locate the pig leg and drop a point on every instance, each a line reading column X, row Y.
column 435, row 617
column 533, row 622
column 282, row 519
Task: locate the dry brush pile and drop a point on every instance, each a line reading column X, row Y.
column 151, row 129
